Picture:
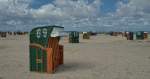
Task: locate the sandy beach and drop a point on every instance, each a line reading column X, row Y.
column 101, row 57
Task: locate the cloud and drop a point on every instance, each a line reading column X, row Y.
column 134, row 15
column 17, row 14
column 79, row 15
column 134, row 7
column 68, row 8
column 13, row 14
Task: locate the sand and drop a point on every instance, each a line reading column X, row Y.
column 101, row 57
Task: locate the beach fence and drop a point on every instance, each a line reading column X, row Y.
column 46, row 54
column 113, row 33
column 123, row 34
column 20, row 33
column 3, row 34
column 8, row 35
column 73, row 37
column 92, row 33
column 86, row 35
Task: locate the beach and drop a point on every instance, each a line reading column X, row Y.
column 100, row 57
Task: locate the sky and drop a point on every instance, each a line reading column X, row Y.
column 75, row 15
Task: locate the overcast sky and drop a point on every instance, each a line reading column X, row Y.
column 82, row 15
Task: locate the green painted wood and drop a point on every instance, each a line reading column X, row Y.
column 38, row 56
column 44, row 61
column 39, row 61
column 32, row 59
column 74, row 37
column 40, row 35
column 140, row 35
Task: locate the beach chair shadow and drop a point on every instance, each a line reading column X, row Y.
column 74, row 66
